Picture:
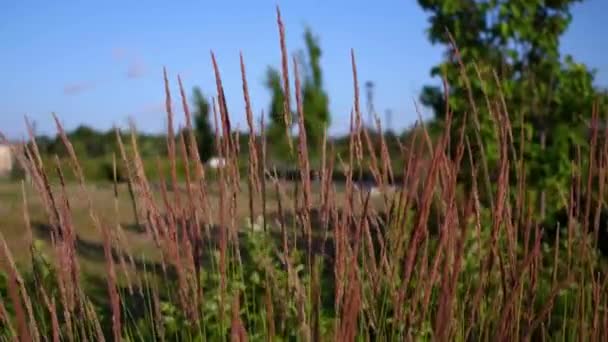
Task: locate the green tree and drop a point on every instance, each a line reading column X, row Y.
column 314, row 98
column 88, row 142
column 510, row 50
column 202, row 126
column 276, row 128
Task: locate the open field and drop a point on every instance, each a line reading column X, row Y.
column 434, row 257
column 488, row 224
column 113, row 211
column 431, row 242
column 13, row 227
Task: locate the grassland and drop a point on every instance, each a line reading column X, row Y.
column 452, row 253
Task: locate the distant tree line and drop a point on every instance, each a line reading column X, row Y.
column 89, row 142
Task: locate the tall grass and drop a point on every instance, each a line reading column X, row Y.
column 430, row 260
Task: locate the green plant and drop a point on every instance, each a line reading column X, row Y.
column 202, row 126
column 503, row 56
column 315, row 101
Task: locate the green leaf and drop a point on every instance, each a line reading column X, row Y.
column 504, row 29
column 255, row 278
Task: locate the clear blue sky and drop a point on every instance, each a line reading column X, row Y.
column 100, row 62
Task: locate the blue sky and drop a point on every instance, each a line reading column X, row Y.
column 99, row 63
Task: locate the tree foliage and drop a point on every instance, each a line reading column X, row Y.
column 314, row 98
column 510, row 57
column 276, row 128
column 202, row 126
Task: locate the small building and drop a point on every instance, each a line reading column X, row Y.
column 216, row 162
column 6, row 160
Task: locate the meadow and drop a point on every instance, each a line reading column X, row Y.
column 445, row 248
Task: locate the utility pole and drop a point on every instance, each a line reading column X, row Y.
column 369, row 87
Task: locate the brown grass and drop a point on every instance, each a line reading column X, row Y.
column 429, row 260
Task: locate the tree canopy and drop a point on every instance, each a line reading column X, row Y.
column 202, row 126
column 503, row 55
column 314, row 98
